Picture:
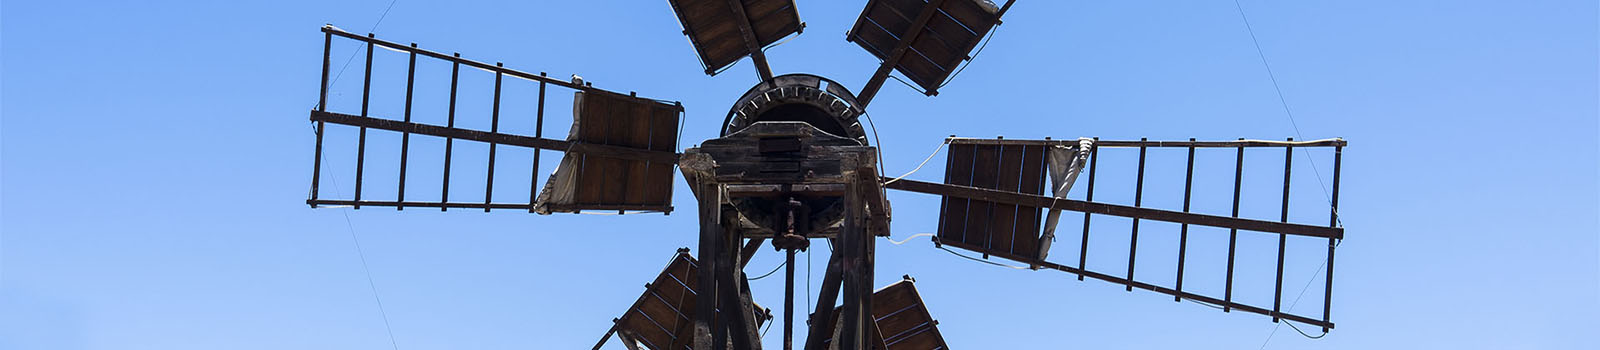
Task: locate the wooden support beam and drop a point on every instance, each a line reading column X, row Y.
column 710, row 234
column 917, row 25
column 750, row 41
column 495, row 137
column 737, row 309
column 1114, row 210
column 826, row 297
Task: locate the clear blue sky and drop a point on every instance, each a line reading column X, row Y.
column 156, row 156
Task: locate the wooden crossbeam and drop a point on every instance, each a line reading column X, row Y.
column 495, row 137
column 750, row 41
column 1113, row 209
column 917, row 25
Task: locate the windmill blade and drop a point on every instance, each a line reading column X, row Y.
column 662, row 318
column 923, row 39
column 619, row 155
column 994, row 202
column 723, row 31
column 900, row 320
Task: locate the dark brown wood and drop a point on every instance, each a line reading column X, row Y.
column 1113, row 209
column 821, row 320
column 706, row 334
column 893, row 58
column 751, row 43
column 405, row 138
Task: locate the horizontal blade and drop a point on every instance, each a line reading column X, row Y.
column 1113, row 209
column 495, row 137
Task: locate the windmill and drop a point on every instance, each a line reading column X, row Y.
column 793, row 164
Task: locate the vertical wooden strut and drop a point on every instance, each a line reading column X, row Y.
column 1283, row 239
column 737, row 309
column 710, row 195
column 750, row 41
column 405, row 137
column 1333, row 221
column 322, row 106
column 1183, row 231
column 361, row 143
column 917, row 25
column 826, row 297
column 857, row 268
column 1233, row 234
column 1138, row 199
column 1083, row 249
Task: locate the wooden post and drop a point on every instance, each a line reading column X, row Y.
column 710, row 232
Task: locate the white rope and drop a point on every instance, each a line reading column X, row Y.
column 919, row 166
column 908, row 239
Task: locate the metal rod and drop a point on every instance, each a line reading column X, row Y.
column 1094, row 159
column 1283, row 239
column 449, row 143
column 538, row 132
column 1138, row 200
column 405, row 137
column 788, row 301
column 1333, row 221
column 1183, row 230
column 322, row 105
column 361, row 143
column 1233, row 233
column 494, row 127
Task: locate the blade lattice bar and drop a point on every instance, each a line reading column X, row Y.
column 981, row 193
column 617, row 140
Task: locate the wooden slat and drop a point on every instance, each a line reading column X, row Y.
column 663, row 137
column 637, row 135
column 1032, row 182
column 954, row 217
column 979, row 213
column 971, row 15
column 1003, row 224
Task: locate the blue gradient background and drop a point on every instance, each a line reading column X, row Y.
column 156, row 156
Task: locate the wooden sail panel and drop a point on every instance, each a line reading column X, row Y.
column 900, row 320
column 715, row 28
column 1001, row 229
column 663, row 318
column 946, row 33
column 589, row 181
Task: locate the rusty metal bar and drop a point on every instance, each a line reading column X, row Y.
column 405, row 137
column 1138, row 200
column 449, row 142
column 494, row 128
column 1083, row 249
column 538, row 132
column 1183, row 231
column 361, row 143
column 1283, row 240
column 1233, row 233
column 1333, row 221
column 322, row 105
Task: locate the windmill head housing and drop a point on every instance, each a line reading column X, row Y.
column 793, row 164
